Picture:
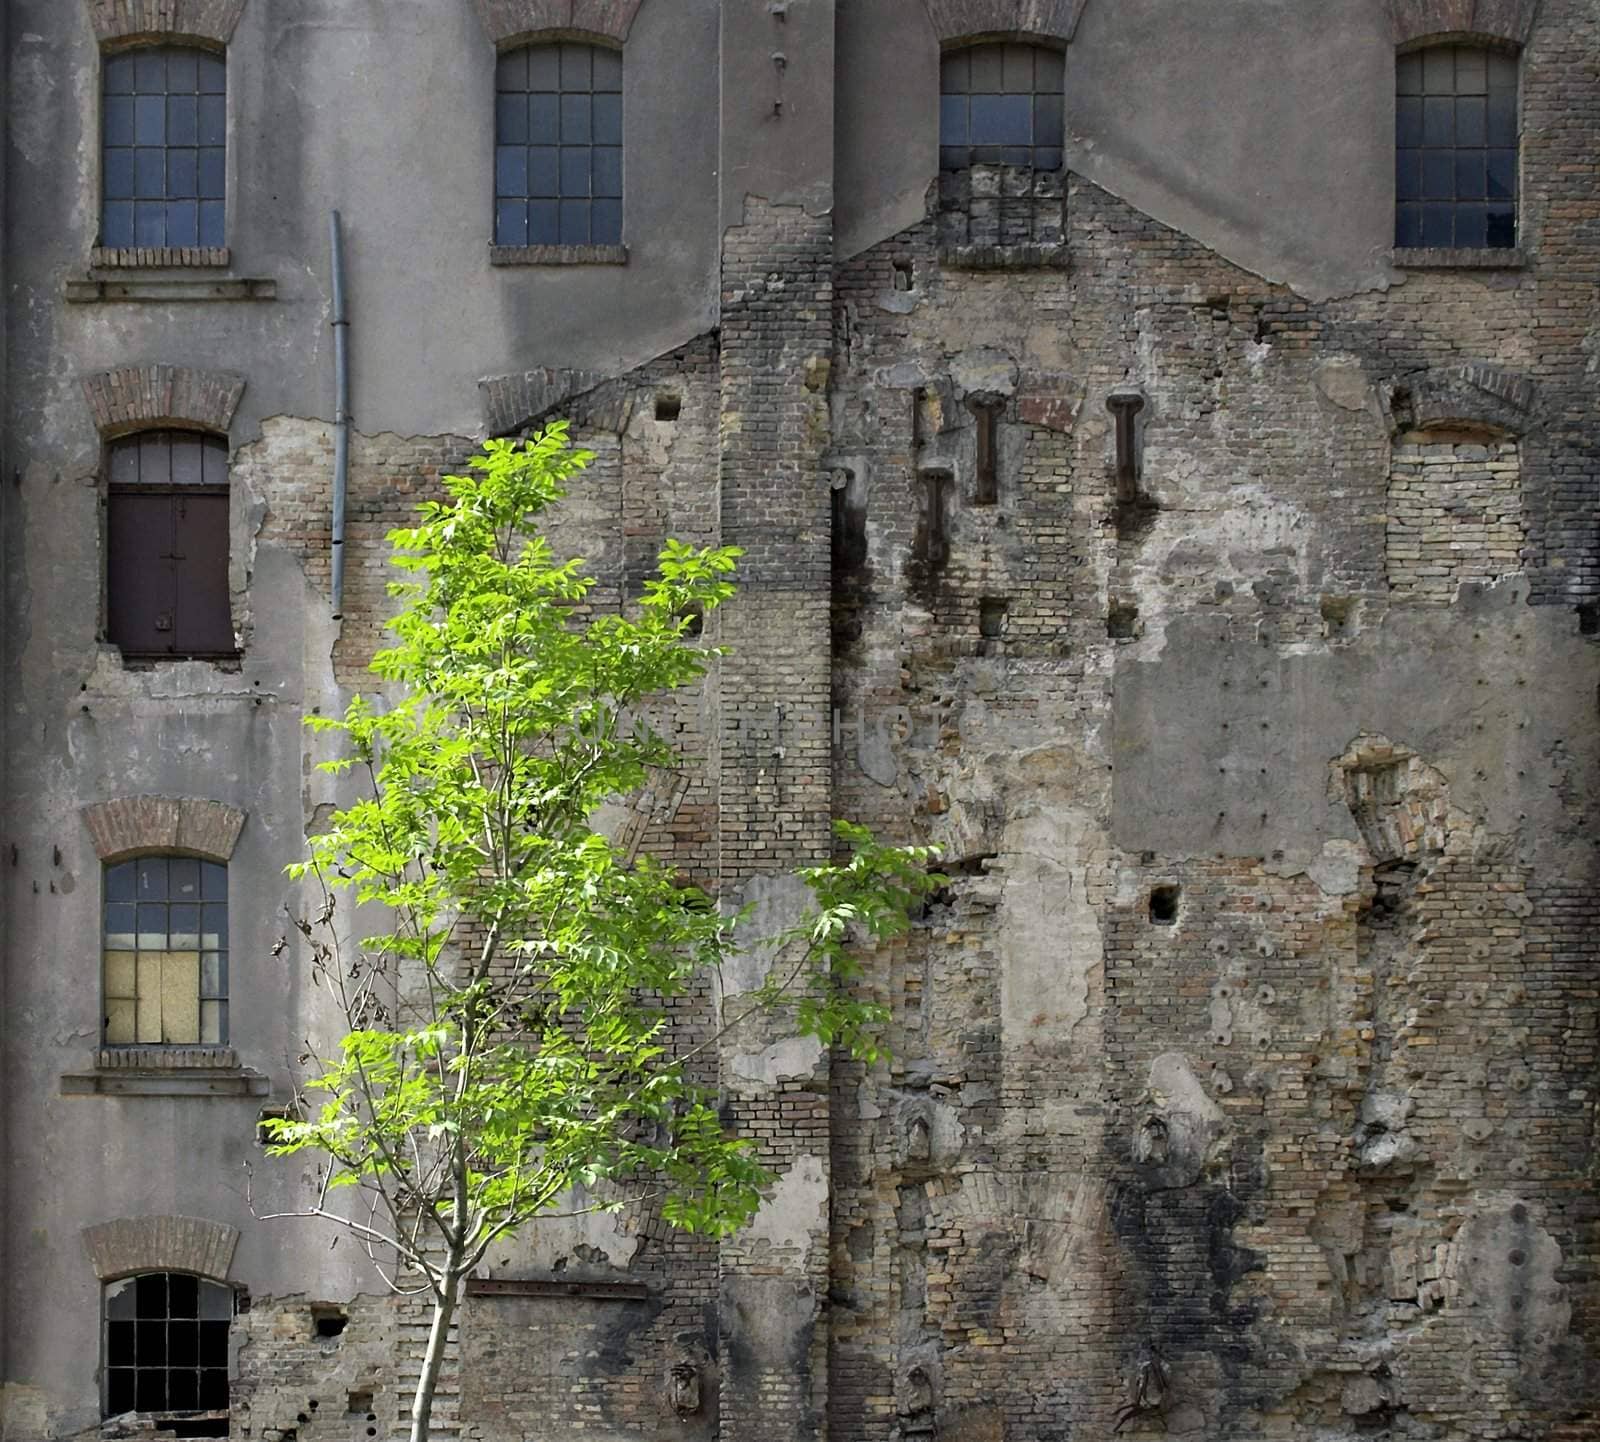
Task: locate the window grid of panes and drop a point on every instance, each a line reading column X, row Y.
column 558, row 146
column 166, row 1344
column 1000, row 105
column 166, row 952
column 1456, row 148
column 164, row 123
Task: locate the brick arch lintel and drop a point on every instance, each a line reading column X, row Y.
column 1471, row 394
column 1416, row 21
column 514, row 22
column 958, row 20
column 130, row 1245
column 135, row 398
column 123, row 22
column 143, row 825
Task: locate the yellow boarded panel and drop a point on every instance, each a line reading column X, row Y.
column 120, row 1023
column 121, row 976
column 180, row 996
column 149, row 1026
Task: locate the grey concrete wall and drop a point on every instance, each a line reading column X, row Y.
column 1263, row 129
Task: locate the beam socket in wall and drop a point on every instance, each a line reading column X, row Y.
column 1122, row 621
column 1164, row 905
column 992, row 617
column 1124, row 405
column 1588, row 619
column 329, row 1321
column 1338, row 616
column 668, row 407
column 905, row 277
column 986, row 487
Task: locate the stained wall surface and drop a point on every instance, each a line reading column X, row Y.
column 1243, row 1073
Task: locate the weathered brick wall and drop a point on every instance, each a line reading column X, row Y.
column 1455, row 515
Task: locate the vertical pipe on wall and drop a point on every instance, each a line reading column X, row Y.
column 341, row 414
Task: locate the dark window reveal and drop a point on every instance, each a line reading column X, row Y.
column 558, row 146
column 166, row 1349
column 1456, row 148
column 167, row 546
column 166, row 952
column 163, row 128
column 1000, row 105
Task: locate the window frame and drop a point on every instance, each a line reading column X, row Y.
column 511, row 246
column 130, row 909
column 117, row 488
column 1424, row 253
column 207, row 1288
column 985, row 47
column 123, row 253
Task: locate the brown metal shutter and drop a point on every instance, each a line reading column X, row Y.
column 204, row 624
column 141, row 576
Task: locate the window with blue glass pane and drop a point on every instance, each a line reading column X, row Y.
column 558, row 146
column 1455, row 181
column 1000, row 105
column 163, row 134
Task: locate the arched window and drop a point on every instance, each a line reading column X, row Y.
column 1000, row 104
column 166, row 1350
column 163, row 129
column 1456, row 148
column 166, row 952
column 167, row 546
column 558, row 146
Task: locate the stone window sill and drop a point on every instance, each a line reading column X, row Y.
column 1004, row 257
column 145, row 257
column 558, row 255
column 192, row 1071
column 1439, row 258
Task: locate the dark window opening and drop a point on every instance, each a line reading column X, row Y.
column 558, row 146
column 166, row 1350
column 329, row 1321
column 1000, row 105
column 163, row 155
column 986, row 489
column 991, row 616
column 167, row 546
column 166, row 952
column 1456, row 148
column 668, row 408
column 1164, row 905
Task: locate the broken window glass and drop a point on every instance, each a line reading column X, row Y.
column 166, row 1349
column 1455, row 182
column 166, row 952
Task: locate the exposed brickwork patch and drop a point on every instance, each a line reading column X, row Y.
column 139, row 825
column 509, row 21
column 1501, row 19
column 212, row 20
column 130, row 1245
column 137, row 397
column 961, row 19
column 1465, row 395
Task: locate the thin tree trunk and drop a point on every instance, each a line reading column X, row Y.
column 433, row 1358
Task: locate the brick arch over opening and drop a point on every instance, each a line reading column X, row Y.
column 208, row 21
column 137, row 398
column 130, row 1245
column 1482, row 396
column 142, row 825
column 1507, row 20
column 510, row 22
column 965, row 19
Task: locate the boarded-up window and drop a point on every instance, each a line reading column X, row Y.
column 166, row 1350
column 167, row 546
column 166, row 952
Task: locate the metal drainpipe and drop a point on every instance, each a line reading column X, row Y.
column 341, row 415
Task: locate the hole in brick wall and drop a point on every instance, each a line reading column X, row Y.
column 359, row 1404
column 329, row 1321
column 991, row 616
column 849, row 522
column 904, row 275
column 267, row 1115
column 1589, row 618
column 1164, row 905
column 1337, row 614
column 1122, row 621
column 668, row 408
column 694, row 623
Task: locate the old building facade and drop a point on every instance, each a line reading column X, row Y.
column 1163, row 440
